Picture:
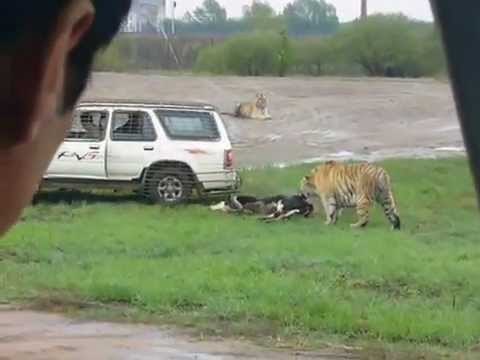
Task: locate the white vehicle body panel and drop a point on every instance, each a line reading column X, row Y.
column 81, row 159
column 116, row 158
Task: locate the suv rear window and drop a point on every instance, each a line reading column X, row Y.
column 189, row 125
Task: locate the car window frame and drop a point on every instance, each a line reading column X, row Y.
column 100, row 140
column 152, row 123
column 172, row 137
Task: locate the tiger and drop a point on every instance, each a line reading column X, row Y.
column 254, row 110
column 357, row 185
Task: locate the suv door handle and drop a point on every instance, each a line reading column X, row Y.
column 95, row 147
column 148, row 148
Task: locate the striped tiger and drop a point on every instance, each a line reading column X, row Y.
column 359, row 185
column 257, row 109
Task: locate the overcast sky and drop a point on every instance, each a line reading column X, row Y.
column 346, row 9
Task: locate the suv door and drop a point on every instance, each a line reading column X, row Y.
column 133, row 144
column 82, row 154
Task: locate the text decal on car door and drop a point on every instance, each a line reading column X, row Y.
column 92, row 155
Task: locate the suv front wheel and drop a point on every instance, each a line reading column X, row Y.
column 170, row 188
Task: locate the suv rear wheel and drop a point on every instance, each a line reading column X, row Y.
column 170, row 188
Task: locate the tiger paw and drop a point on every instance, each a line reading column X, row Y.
column 358, row 225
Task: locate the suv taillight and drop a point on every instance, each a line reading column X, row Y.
column 228, row 162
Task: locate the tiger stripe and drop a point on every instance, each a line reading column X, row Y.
column 358, row 185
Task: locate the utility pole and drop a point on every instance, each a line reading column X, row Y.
column 174, row 6
column 162, row 15
column 364, row 13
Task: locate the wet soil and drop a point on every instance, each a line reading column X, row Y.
column 38, row 336
column 313, row 118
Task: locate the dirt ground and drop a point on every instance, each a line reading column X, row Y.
column 314, row 118
column 27, row 335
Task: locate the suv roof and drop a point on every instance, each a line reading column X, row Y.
column 148, row 103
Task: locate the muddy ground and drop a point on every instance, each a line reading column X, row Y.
column 27, row 335
column 312, row 119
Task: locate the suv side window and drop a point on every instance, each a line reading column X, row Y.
column 189, row 125
column 88, row 126
column 132, row 126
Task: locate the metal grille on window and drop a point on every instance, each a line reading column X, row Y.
column 132, row 126
column 88, row 126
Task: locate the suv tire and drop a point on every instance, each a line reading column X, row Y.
column 169, row 188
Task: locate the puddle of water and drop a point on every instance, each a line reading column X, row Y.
column 451, row 149
column 273, row 137
column 414, row 153
column 330, row 134
column 325, row 134
column 342, row 154
column 449, row 128
column 311, row 132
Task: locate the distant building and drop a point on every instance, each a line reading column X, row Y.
column 146, row 16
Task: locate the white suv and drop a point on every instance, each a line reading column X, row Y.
column 167, row 151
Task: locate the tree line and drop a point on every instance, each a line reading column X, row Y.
column 391, row 45
column 298, row 18
column 380, row 45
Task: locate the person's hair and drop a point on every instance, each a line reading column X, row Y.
column 26, row 19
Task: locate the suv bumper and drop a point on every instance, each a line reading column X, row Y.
column 223, row 183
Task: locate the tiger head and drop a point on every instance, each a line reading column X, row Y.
column 310, row 184
column 307, row 186
column 261, row 101
column 330, row 164
column 326, row 167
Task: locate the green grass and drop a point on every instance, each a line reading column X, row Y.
column 237, row 276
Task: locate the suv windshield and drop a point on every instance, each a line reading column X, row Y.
column 182, row 125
